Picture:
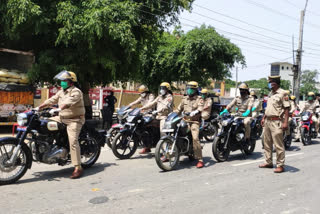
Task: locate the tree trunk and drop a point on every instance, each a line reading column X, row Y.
column 86, row 99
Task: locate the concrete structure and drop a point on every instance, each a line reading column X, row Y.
column 284, row 69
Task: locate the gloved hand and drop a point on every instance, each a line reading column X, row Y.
column 36, row 109
column 54, row 110
column 224, row 111
column 254, row 108
column 246, row 113
column 237, row 109
column 193, row 113
column 155, row 112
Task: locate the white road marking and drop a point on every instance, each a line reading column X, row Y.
column 262, row 159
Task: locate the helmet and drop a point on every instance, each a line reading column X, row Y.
column 311, row 93
column 252, row 93
column 143, row 88
column 66, row 75
column 287, row 92
column 165, row 84
column 204, row 91
column 192, row 84
column 244, row 86
column 293, row 97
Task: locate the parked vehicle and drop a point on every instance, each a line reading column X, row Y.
column 139, row 130
column 45, row 141
column 232, row 138
column 307, row 130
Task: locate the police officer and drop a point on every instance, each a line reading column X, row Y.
column 243, row 105
column 72, row 111
column 145, row 98
column 206, row 112
column 293, row 107
column 164, row 103
column 193, row 104
column 255, row 105
column 310, row 106
column 275, row 121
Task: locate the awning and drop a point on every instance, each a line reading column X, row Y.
column 14, row 87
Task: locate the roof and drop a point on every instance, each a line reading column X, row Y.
column 278, row 63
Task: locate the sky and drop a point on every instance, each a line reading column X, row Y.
column 263, row 29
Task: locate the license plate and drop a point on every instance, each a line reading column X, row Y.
column 22, row 128
column 167, row 130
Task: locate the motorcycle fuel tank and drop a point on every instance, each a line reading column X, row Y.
column 48, row 126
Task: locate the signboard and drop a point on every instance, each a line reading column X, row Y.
column 53, row 91
column 23, row 97
column 94, row 93
column 37, row 94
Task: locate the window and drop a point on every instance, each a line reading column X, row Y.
column 282, row 68
column 275, row 70
column 287, row 68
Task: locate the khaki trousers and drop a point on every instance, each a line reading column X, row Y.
column 194, row 126
column 73, row 129
column 273, row 134
column 161, row 127
column 316, row 122
column 247, row 125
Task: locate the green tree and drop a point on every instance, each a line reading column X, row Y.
column 262, row 84
column 308, row 82
column 200, row 54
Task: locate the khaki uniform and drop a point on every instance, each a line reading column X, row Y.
column 187, row 105
column 312, row 107
column 256, row 104
column 72, row 117
column 273, row 134
column 243, row 105
column 291, row 111
column 206, row 112
column 164, row 108
column 143, row 101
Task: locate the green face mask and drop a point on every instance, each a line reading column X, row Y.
column 64, row 84
column 310, row 98
column 190, row 91
column 203, row 96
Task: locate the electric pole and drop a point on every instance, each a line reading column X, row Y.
column 297, row 66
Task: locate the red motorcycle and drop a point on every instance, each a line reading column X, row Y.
column 308, row 130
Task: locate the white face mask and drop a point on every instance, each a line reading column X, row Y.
column 143, row 95
column 163, row 92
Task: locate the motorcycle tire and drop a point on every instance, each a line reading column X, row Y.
column 250, row 148
column 305, row 139
column 119, row 142
column 162, row 155
column 219, row 153
column 24, row 159
column 287, row 139
column 211, row 133
column 111, row 133
column 89, row 148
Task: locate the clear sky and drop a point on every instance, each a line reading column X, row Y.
column 280, row 20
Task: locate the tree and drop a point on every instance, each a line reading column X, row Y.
column 308, row 82
column 262, row 84
column 200, row 54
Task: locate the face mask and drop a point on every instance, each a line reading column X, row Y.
column 269, row 85
column 64, row 84
column 190, row 91
column 163, row 92
column 143, row 95
column 310, row 98
column 203, row 96
column 243, row 93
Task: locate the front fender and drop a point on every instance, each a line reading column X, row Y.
column 169, row 137
column 23, row 145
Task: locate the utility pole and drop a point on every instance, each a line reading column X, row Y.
column 297, row 66
column 236, row 81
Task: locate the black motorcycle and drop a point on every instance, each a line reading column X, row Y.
column 256, row 126
column 45, row 141
column 139, row 130
column 232, row 138
column 177, row 142
column 209, row 128
column 122, row 114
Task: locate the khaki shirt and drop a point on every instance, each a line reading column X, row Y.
column 277, row 102
column 164, row 105
column 73, row 98
column 189, row 104
column 310, row 107
column 242, row 104
column 206, row 112
column 143, row 100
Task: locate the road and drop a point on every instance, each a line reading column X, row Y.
column 138, row 186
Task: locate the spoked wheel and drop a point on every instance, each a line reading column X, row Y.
column 11, row 172
column 111, row 133
column 211, row 133
column 167, row 155
column 305, row 138
column 249, row 147
column 124, row 146
column 287, row 139
column 219, row 152
column 90, row 151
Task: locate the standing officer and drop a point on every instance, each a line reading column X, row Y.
column 243, row 106
column 71, row 107
column 275, row 121
column 145, row 97
column 206, row 112
column 311, row 106
column 193, row 104
column 164, row 103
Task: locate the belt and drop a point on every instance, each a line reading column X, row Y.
column 274, row 118
column 72, row 117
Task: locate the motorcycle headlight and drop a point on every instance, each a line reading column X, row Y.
column 130, row 119
column 225, row 123
column 22, row 119
column 167, row 125
column 305, row 117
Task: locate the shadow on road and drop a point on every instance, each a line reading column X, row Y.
column 291, row 169
column 56, row 175
column 294, row 148
column 239, row 156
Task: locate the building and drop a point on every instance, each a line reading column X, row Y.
column 283, row 69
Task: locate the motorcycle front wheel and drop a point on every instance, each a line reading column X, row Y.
column 111, row 133
column 250, row 148
column 12, row 172
column 167, row 155
column 287, row 139
column 219, row 152
column 305, row 138
column 211, row 133
column 90, row 152
column 123, row 146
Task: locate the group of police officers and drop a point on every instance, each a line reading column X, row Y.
column 275, row 120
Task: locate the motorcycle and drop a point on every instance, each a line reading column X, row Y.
column 209, row 128
column 45, row 141
column 139, row 130
column 122, row 114
column 307, row 130
column 232, row 138
column 256, row 126
column 177, row 142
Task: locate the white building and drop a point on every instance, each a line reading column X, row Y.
column 283, row 69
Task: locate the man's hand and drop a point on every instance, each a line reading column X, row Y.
column 193, row 113
column 54, row 110
column 285, row 126
column 155, row 112
column 262, row 122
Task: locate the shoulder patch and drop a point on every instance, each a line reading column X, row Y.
column 286, row 98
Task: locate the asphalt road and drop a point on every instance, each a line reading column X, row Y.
column 138, row 186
